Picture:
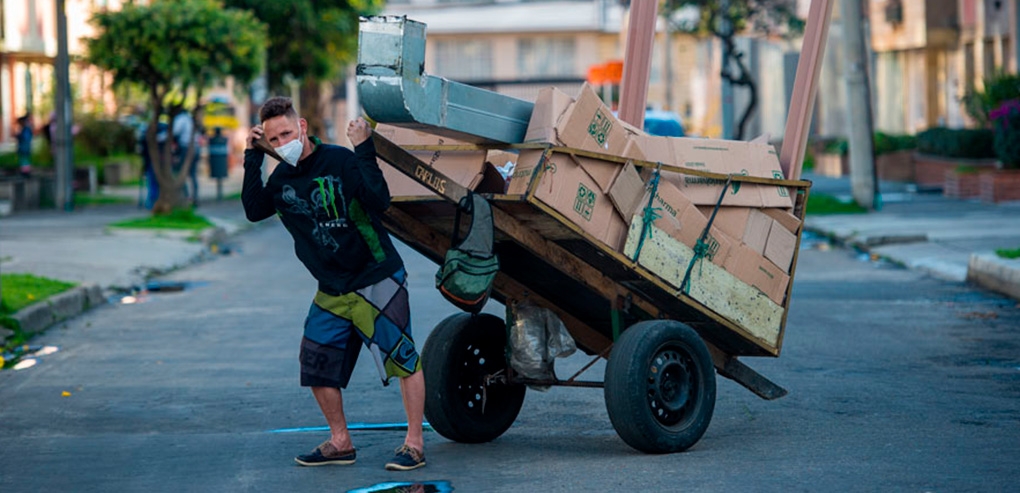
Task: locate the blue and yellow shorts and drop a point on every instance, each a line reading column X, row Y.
column 380, row 316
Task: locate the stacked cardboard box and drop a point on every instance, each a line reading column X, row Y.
column 753, row 234
column 472, row 169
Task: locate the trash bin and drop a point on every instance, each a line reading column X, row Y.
column 218, row 155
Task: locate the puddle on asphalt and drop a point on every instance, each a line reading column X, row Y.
column 25, row 357
column 141, row 294
column 812, row 241
column 405, row 487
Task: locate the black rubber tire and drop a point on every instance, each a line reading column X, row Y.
column 461, row 350
column 660, row 387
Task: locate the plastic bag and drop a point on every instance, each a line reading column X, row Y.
column 537, row 338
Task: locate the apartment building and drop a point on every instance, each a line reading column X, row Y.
column 928, row 54
column 516, row 47
column 28, row 49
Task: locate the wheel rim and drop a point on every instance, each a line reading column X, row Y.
column 672, row 386
column 476, row 361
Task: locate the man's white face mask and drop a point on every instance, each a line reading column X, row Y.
column 291, row 151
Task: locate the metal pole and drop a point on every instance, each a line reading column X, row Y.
column 63, row 148
column 863, row 182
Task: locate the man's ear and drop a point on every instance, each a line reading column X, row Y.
column 304, row 125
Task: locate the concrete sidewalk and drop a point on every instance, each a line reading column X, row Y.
column 948, row 238
column 80, row 247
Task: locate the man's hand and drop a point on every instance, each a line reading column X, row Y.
column 358, row 131
column 254, row 134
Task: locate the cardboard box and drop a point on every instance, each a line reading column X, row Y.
column 780, row 246
column 616, row 233
column 680, row 218
column 603, row 172
column 550, row 105
column 569, row 190
column 627, row 190
column 588, row 124
column 784, row 218
column 524, row 171
column 759, row 272
column 719, row 156
column 750, row 226
column 466, row 168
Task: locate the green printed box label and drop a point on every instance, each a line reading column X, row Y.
column 783, row 192
column 599, row 128
column 584, row 203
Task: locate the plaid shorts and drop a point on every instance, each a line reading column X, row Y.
column 380, row 316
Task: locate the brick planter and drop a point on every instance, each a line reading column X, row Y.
column 962, row 185
column 930, row 171
column 895, row 166
column 1000, row 185
column 832, row 165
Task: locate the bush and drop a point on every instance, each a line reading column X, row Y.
column 884, row 143
column 999, row 88
column 1006, row 119
column 101, row 138
column 957, row 143
column 888, row 143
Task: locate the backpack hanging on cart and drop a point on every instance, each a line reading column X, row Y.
column 466, row 276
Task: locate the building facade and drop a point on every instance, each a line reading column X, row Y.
column 28, row 50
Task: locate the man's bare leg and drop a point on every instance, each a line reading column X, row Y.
column 332, row 405
column 412, row 389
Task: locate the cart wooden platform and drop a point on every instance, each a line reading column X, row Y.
column 661, row 345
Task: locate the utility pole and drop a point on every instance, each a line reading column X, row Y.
column 63, row 150
column 863, row 180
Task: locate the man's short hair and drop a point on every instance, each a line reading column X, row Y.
column 277, row 106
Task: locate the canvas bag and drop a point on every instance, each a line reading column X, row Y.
column 465, row 278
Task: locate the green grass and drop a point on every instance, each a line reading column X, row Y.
column 179, row 219
column 1008, row 253
column 21, row 290
column 232, row 196
column 95, row 199
column 820, row 203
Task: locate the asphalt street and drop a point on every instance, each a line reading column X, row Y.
column 897, row 382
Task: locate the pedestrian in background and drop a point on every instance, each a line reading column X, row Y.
column 187, row 137
column 25, row 134
column 331, row 199
column 152, row 183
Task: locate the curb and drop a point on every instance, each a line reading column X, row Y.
column 996, row 274
column 38, row 317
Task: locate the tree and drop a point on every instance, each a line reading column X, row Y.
column 175, row 50
column 725, row 19
column 310, row 41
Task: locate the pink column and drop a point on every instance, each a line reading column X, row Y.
column 637, row 61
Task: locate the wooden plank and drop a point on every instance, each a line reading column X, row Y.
column 415, row 168
column 805, row 88
column 637, row 61
column 758, row 316
column 734, row 369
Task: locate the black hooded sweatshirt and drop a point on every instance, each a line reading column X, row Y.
column 330, row 203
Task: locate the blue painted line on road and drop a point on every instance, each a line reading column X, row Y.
column 353, row 427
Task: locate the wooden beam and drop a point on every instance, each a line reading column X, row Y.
column 637, row 61
column 805, row 88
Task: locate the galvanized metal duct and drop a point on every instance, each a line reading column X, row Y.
column 393, row 88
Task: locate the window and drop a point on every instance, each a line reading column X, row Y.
column 545, row 57
column 464, row 59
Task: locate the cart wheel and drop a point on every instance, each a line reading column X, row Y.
column 660, row 387
column 459, row 404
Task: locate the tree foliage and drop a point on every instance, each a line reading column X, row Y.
column 310, row 41
column 725, row 19
column 174, row 50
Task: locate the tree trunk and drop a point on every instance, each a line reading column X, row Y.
column 313, row 108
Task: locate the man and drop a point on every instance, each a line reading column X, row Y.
column 186, row 138
column 330, row 200
column 25, row 134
